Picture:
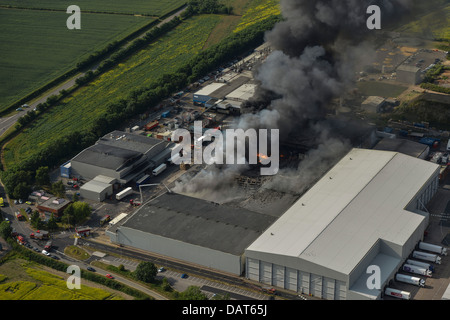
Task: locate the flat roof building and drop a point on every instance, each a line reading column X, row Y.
column 408, row 147
column 408, row 74
column 367, row 210
column 53, row 205
column 120, row 156
column 194, row 230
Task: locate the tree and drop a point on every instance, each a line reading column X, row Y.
column 146, row 272
column 51, row 224
column 75, row 197
column 21, row 191
column 58, row 189
column 193, row 293
column 5, row 229
column 42, row 176
column 35, row 219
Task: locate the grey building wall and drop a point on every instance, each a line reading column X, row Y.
column 176, row 249
column 95, row 195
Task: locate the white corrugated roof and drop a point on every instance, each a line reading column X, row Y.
column 209, row 89
column 361, row 199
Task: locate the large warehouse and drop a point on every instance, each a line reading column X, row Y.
column 117, row 158
column 367, row 210
column 121, row 156
column 193, row 230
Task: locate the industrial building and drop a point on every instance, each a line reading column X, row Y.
column 408, row 74
column 369, row 209
column 98, row 189
column 52, row 205
column 116, row 159
column 193, row 230
column 408, row 147
column 219, row 90
column 373, row 104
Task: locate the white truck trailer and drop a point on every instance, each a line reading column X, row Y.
column 397, row 293
column 410, row 279
column 159, row 169
column 420, row 264
column 433, row 248
column 427, row 256
column 125, row 192
column 417, row 270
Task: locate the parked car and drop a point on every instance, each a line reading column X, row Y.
column 184, row 276
column 91, row 269
column 161, row 269
column 109, row 276
column 29, row 202
column 45, row 252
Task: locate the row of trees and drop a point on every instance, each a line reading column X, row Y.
column 140, row 100
column 206, row 6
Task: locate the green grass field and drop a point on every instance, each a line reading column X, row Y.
column 375, row 88
column 37, row 47
column 22, row 282
column 151, row 7
column 80, row 109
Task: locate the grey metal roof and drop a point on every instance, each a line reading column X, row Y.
column 200, row 222
column 95, row 186
column 408, row 147
column 107, row 156
column 133, row 142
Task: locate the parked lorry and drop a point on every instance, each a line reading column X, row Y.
column 105, row 219
column 432, row 248
column 125, row 192
column 417, row 270
column 40, row 235
column 397, row 293
column 420, row 264
column 427, row 256
column 410, row 279
column 159, row 169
